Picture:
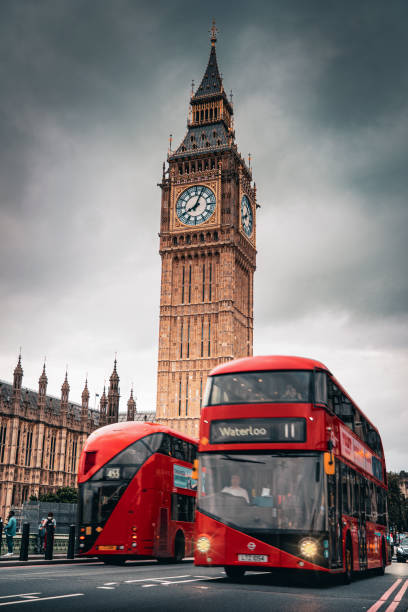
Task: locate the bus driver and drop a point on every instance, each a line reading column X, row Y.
column 235, row 488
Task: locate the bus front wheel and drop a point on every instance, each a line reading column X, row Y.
column 234, row 572
column 113, row 560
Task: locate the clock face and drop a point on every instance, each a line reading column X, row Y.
column 246, row 215
column 195, row 205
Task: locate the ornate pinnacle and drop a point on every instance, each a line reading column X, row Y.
column 213, row 32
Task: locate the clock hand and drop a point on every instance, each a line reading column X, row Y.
column 195, row 206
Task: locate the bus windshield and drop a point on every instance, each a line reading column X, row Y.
column 100, row 494
column 257, row 387
column 264, row 491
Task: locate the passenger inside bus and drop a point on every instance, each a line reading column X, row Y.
column 291, row 394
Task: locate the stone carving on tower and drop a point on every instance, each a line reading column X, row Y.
column 208, row 253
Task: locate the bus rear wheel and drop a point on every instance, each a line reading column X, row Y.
column 234, row 572
column 179, row 548
column 380, row 570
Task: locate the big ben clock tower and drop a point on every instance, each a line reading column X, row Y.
column 208, row 252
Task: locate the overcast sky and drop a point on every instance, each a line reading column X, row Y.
column 91, row 90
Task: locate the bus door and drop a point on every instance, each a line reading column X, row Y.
column 163, row 532
column 361, row 500
column 334, row 515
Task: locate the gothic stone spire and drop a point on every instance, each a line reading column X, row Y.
column 18, row 375
column 131, row 407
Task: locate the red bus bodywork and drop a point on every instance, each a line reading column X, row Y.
column 136, row 494
column 350, row 534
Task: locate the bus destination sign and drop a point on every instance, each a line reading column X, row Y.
column 258, row 430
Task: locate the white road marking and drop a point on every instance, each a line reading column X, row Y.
column 107, row 588
column 109, row 583
column 18, row 595
column 161, row 578
column 146, row 586
column 23, row 601
column 30, row 597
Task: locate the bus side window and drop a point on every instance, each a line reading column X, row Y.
column 178, row 449
column 182, row 508
column 345, row 489
column 192, row 453
column 367, row 499
column 165, row 447
column 359, row 426
column 320, row 387
column 381, row 505
column 352, row 490
column 346, row 411
column 374, row 509
column 357, row 504
column 334, row 397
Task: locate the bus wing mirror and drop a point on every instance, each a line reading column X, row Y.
column 329, row 465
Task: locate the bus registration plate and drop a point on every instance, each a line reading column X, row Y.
column 106, row 547
column 256, row 558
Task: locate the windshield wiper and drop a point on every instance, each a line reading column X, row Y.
column 228, row 457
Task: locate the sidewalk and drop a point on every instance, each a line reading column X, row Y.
column 58, row 559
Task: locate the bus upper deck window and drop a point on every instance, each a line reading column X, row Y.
column 320, row 387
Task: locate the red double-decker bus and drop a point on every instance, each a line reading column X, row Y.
column 136, row 493
column 291, row 473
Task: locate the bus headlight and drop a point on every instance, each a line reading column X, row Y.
column 308, row 547
column 203, row 544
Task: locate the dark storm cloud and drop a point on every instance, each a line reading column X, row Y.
column 90, row 91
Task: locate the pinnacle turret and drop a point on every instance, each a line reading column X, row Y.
column 113, row 396
column 131, row 407
column 103, row 402
column 18, row 375
column 65, row 393
column 85, row 401
column 42, row 383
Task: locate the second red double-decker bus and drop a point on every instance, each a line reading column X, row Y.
column 136, row 494
column 291, row 473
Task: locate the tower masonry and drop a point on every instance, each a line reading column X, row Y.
column 208, row 254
